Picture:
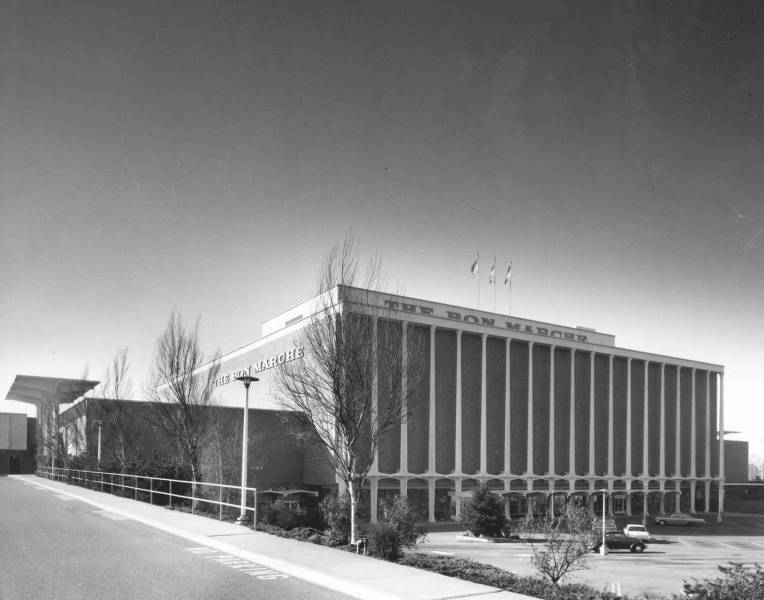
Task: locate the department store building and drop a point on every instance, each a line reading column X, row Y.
column 538, row 412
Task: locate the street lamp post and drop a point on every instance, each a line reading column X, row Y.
column 100, row 426
column 603, row 547
column 243, row 518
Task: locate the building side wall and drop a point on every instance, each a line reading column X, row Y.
column 619, row 421
column 445, row 399
column 735, row 461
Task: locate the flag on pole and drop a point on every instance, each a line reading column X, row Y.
column 492, row 272
column 508, row 274
column 474, row 267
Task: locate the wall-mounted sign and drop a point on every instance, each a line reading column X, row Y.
column 514, row 325
column 263, row 365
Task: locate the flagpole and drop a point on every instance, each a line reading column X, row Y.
column 508, row 281
column 477, row 280
column 493, row 282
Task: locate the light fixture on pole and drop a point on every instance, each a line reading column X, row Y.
column 603, row 547
column 243, row 518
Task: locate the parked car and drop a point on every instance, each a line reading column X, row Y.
column 678, row 519
column 616, row 540
column 636, row 531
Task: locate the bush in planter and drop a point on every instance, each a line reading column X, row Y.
column 385, row 542
column 462, row 568
column 282, row 515
column 335, row 511
column 397, row 513
column 738, row 583
column 476, row 572
column 483, row 515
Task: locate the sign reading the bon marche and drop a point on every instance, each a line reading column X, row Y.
column 263, row 365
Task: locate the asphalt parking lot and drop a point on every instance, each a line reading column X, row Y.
column 674, row 554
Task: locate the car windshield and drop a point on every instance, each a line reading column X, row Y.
column 636, row 528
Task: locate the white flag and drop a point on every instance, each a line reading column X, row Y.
column 508, row 274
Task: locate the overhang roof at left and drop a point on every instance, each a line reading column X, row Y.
column 48, row 390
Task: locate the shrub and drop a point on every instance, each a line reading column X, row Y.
column 738, row 583
column 397, row 514
column 335, row 511
column 311, row 513
column 281, row 515
column 385, row 542
column 484, row 513
column 461, row 568
column 493, row 576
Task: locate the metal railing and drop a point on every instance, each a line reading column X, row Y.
column 158, row 490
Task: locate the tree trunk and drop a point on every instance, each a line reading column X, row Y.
column 353, row 505
column 193, row 489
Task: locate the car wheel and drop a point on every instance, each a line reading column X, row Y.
column 639, row 548
column 660, row 523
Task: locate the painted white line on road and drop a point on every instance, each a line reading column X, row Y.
column 234, row 562
column 442, row 553
column 110, row 515
column 64, row 498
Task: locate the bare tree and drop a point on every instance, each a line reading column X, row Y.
column 180, row 388
column 355, row 384
column 559, row 544
column 119, row 424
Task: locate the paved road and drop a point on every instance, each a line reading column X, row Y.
column 675, row 554
column 55, row 547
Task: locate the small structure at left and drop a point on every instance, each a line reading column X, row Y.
column 46, row 394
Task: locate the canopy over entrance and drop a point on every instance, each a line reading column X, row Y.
column 48, row 390
column 46, row 393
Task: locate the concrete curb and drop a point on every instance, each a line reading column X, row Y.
column 306, row 573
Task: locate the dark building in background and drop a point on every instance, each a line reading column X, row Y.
column 735, row 461
column 740, row 494
column 17, row 444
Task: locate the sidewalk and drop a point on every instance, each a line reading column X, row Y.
column 359, row 576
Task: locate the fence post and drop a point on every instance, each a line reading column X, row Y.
column 170, row 496
column 193, row 496
column 220, row 503
column 135, row 478
column 151, row 491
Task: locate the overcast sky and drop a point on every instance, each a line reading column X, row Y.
column 202, row 156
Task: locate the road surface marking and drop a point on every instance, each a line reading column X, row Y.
column 442, row 552
column 240, row 564
column 64, row 498
column 111, row 515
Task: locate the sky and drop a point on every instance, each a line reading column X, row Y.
column 203, row 156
